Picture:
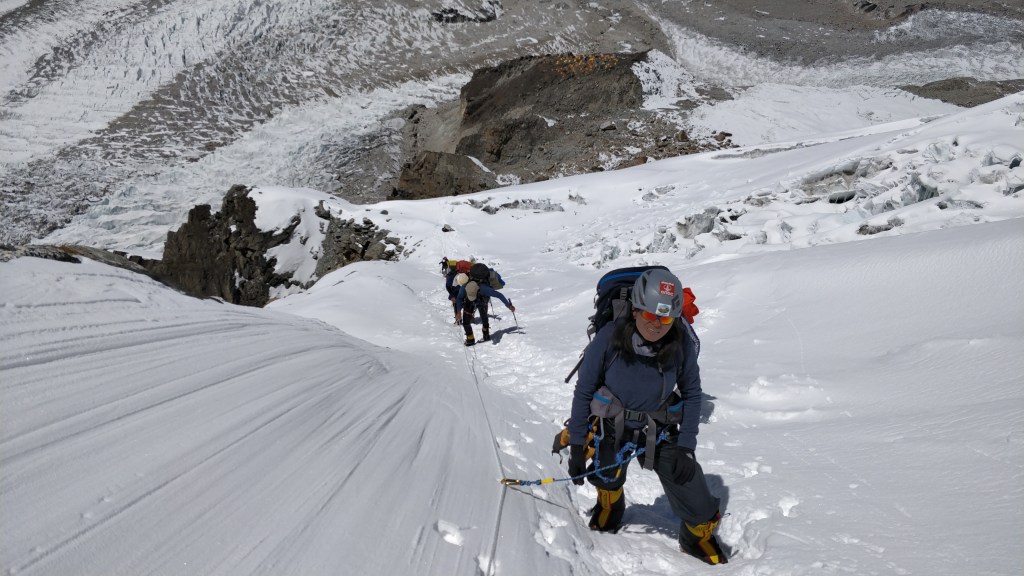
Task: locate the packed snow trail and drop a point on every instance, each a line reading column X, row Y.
column 818, row 399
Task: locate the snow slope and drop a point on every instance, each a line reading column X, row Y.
column 147, row 432
column 863, row 411
column 144, row 432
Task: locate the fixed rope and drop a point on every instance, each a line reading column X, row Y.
column 471, row 362
column 620, row 459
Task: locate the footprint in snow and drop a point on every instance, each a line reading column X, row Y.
column 510, row 447
column 786, row 505
column 451, row 533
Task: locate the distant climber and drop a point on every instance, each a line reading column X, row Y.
column 474, row 295
column 449, row 269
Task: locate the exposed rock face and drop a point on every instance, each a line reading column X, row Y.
column 460, row 14
column 435, row 174
column 505, row 139
column 348, row 241
column 967, row 92
column 224, row 254
column 44, row 251
column 74, row 253
column 559, row 85
column 808, row 31
column 540, row 117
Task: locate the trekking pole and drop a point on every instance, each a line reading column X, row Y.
column 514, row 314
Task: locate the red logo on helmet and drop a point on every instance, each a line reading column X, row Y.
column 667, row 288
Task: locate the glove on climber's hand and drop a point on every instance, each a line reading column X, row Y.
column 577, row 462
column 511, row 308
column 685, row 465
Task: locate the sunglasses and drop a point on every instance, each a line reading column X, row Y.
column 666, row 320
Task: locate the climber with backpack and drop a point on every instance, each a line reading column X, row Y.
column 449, row 269
column 476, row 289
column 638, row 395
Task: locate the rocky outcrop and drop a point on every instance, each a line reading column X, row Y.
column 967, row 92
column 225, row 255
column 556, row 85
column 348, row 241
column 222, row 254
column 487, row 12
column 541, row 117
column 435, row 174
column 73, row 253
column 44, row 251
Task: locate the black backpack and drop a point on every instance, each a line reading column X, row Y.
column 480, row 273
column 612, row 301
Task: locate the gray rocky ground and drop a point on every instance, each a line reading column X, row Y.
column 541, row 117
column 363, row 46
column 499, row 118
column 812, row 30
column 967, row 92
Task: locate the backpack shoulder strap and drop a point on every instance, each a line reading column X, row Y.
column 693, row 337
column 621, row 305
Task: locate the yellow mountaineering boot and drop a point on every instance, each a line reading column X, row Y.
column 700, row 541
column 607, row 514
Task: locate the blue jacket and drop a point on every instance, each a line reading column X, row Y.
column 485, row 292
column 640, row 386
column 450, row 285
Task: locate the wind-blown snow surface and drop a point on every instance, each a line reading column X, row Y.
column 864, row 410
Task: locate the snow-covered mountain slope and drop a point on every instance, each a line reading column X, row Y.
column 863, row 411
column 864, row 398
column 864, row 401
column 146, row 431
